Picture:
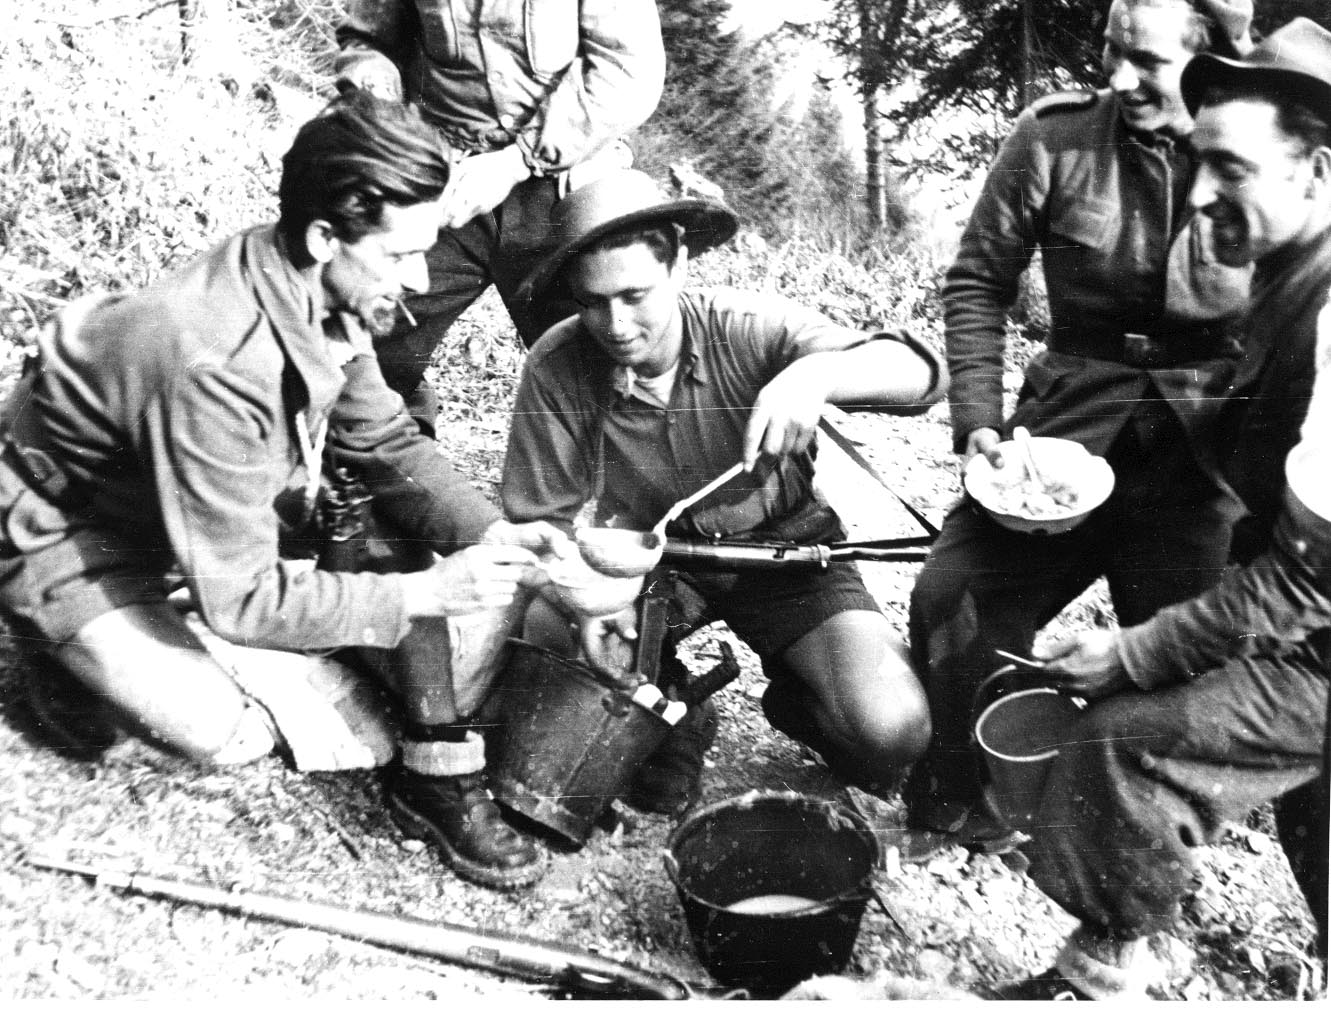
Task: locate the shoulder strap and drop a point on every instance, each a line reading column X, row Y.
column 1064, row 101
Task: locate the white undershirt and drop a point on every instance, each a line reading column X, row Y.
column 653, row 390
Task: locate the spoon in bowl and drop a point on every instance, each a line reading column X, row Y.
column 1023, row 439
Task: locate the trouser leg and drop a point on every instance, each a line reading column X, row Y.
column 1301, row 822
column 1146, row 778
column 151, row 667
column 982, row 588
column 1171, row 529
column 501, row 247
column 525, row 238
column 459, row 270
column 442, row 673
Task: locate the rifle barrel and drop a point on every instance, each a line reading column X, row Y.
column 532, row 959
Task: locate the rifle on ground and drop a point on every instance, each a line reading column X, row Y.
column 531, row 959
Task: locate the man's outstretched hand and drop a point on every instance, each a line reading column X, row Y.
column 1086, row 664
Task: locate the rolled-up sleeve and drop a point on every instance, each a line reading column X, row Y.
column 549, row 468
column 612, row 86
column 981, row 284
column 207, row 436
column 771, row 333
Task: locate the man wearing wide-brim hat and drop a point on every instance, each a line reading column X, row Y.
column 1218, row 704
column 654, row 389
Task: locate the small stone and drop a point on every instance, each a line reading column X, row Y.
column 80, row 971
column 17, row 827
column 412, row 845
column 297, row 946
column 892, row 862
column 1196, row 990
column 1257, row 842
column 38, row 955
column 285, row 834
column 933, row 963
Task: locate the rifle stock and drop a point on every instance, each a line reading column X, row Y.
column 532, row 959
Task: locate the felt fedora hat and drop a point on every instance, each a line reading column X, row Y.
column 1294, row 59
column 619, row 200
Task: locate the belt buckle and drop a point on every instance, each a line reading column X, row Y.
column 1143, row 351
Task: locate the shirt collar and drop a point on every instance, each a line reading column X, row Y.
column 295, row 309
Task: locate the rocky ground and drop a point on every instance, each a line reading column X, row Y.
column 957, row 924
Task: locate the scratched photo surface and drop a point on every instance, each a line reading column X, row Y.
column 852, row 139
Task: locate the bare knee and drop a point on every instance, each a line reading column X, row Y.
column 870, row 699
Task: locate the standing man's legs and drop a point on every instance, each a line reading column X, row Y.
column 498, row 248
column 982, row 588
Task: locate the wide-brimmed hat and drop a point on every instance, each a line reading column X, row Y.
column 619, row 200
column 1295, row 59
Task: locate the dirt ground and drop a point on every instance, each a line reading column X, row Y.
column 964, row 922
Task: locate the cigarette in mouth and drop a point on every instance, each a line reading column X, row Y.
column 406, row 312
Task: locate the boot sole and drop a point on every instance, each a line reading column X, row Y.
column 418, row 828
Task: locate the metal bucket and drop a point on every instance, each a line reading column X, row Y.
column 571, row 741
column 773, row 845
column 1019, row 734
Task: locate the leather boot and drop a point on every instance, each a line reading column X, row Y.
column 457, row 814
column 670, row 779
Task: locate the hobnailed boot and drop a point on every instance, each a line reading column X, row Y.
column 439, row 796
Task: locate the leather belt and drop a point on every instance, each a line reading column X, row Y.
column 1142, row 350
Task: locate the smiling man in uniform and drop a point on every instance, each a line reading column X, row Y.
column 1138, row 356
column 1218, row 704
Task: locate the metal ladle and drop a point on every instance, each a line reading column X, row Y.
column 627, row 553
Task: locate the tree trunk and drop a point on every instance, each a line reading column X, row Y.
column 871, row 72
column 874, row 189
column 1027, row 59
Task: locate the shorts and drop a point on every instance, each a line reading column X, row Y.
column 768, row 610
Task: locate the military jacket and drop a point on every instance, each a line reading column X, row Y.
column 560, row 78
column 1137, row 304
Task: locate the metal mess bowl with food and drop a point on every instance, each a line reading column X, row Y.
column 587, row 591
column 1070, row 484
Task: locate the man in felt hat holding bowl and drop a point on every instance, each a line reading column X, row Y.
column 1218, row 704
column 651, row 391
